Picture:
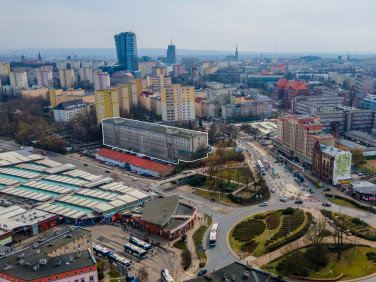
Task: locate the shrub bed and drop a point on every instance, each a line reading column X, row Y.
column 186, row 254
column 272, row 221
column 249, row 246
column 292, row 237
column 248, row 230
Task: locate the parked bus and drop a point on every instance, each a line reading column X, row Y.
column 140, row 243
column 133, row 249
column 115, row 257
column 213, row 235
column 166, row 276
column 100, row 251
column 261, row 167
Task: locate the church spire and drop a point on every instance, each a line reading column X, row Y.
column 236, row 54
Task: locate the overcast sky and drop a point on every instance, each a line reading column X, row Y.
column 254, row 25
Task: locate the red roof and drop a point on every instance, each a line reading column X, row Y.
column 199, row 100
column 136, row 161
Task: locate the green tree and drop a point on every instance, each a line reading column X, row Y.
column 358, row 157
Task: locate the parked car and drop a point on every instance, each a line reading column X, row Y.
column 283, row 200
column 326, row 189
column 326, row 205
column 360, row 173
column 43, row 153
column 311, row 191
column 107, row 171
column 134, row 179
column 202, row 272
column 352, row 171
column 298, row 202
column 85, row 164
column 264, row 204
column 82, row 155
column 272, row 190
column 305, row 184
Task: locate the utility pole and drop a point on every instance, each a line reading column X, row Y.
column 240, row 249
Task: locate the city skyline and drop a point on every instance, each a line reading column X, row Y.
column 266, row 26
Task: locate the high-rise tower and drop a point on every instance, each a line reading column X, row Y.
column 126, row 49
column 171, row 57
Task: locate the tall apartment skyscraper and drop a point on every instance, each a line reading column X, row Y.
column 18, row 78
column 101, row 80
column 107, row 104
column 67, row 79
column 177, row 103
column 171, row 57
column 126, row 49
column 45, row 78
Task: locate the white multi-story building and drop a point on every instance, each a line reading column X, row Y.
column 45, row 78
column 4, row 68
column 65, row 111
column 101, row 80
column 67, row 79
column 61, row 65
column 18, row 79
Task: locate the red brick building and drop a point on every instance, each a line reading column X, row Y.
column 285, row 90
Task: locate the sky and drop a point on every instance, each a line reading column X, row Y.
column 252, row 25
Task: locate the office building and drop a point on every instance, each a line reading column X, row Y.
column 331, row 164
column 101, row 80
column 304, row 104
column 107, row 104
column 45, row 78
column 178, row 103
column 67, row 79
column 64, row 256
column 158, row 141
column 126, row 50
column 18, row 79
column 146, row 68
column 4, row 68
column 58, row 96
column 65, row 111
column 87, row 75
column 171, row 56
column 296, row 136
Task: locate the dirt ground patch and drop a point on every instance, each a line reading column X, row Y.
column 273, row 221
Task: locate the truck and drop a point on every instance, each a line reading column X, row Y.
column 29, row 149
column 298, row 176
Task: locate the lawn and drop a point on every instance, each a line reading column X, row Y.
column 342, row 203
column 353, row 264
column 217, row 196
column 251, row 235
column 245, row 175
column 198, row 239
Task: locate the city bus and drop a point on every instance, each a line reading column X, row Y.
column 166, row 276
column 213, row 235
column 100, row 251
column 115, row 257
column 137, row 251
column 140, row 243
column 261, row 167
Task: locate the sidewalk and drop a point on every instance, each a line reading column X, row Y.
column 179, row 274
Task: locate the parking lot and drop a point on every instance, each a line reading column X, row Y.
column 113, row 238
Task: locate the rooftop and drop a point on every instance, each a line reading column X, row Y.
column 332, row 151
column 136, row 161
column 70, row 105
column 158, row 128
column 30, row 267
column 160, row 210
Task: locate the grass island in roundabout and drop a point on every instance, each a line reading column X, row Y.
column 318, row 256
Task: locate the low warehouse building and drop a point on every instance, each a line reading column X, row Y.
column 135, row 163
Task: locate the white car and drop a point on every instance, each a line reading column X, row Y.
column 264, row 204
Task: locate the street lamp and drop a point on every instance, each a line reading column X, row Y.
column 330, row 275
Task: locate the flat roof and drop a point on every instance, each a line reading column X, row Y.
column 160, row 210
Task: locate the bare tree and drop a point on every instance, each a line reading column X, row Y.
column 143, row 273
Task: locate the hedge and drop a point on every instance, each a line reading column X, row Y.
column 293, row 237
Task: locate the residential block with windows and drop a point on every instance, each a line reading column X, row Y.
column 178, row 103
column 107, row 104
column 155, row 140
